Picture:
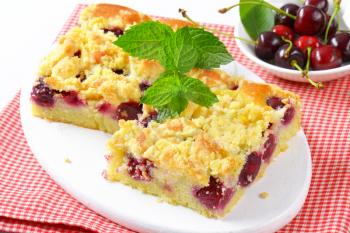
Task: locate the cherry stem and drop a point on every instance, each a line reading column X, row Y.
column 245, row 40
column 305, row 74
column 290, row 46
column 334, row 14
column 265, row 4
column 307, row 67
column 185, row 15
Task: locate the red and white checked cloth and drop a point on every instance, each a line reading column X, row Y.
column 31, row 202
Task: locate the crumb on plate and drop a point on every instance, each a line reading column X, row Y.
column 263, row 195
column 67, row 160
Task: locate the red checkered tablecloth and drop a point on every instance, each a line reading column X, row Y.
column 32, row 202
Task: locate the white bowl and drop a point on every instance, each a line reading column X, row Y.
column 293, row 75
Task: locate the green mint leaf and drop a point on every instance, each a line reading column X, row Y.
column 170, row 94
column 164, row 113
column 256, row 17
column 162, row 91
column 167, row 93
column 146, row 40
column 180, row 51
column 212, row 52
column 199, row 93
column 178, row 103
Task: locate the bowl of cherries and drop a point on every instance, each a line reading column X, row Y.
column 303, row 41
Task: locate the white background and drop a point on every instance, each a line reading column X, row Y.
column 28, row 28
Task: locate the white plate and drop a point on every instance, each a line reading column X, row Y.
column 286, row 180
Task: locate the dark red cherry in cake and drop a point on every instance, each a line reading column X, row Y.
column 275, row 102
column 250, row 169
column 320, row 4
column 72, row 98
column 341, row 41
column 285, row 20
column 269, row 147
column 267, row 45
column 304, row 42
column 310, row 21
column 144, row 85
column 215, row 195
column 288, row 116
column 139, row 169
column 128, row 111
column 326, row 57
column 42, row 94
column 151, row 117
column 118, row 71
column 116, row 31
column 285, row 57
column 283, row 31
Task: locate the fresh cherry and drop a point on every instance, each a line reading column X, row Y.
column 305, row 42
column 128, row 111
column 42, row 94
column 283, row 31
column 333, row 28
column 285, row 20
column 310, row 21
column 320, row 4
column 250, row 169
column 267, row 45
column 285, row 56
column 326, row 57
column 139, row 169
column 341, row 41
column 215, row 195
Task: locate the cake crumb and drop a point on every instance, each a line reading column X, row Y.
column 263, row 195
column 67, row 160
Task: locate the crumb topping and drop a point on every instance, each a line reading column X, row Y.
column 201, row 142
column 85, row 59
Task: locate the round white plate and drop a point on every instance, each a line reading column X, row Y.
column 286, row 180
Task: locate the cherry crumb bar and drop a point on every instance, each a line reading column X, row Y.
column 206, row 157
column 202, row 159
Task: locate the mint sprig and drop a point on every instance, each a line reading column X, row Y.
column 178, row 52
column 211, row 51
column 174, row 91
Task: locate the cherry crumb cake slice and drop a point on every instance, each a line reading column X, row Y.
column 202, row 158
column 88, row 81
column 206, row 157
